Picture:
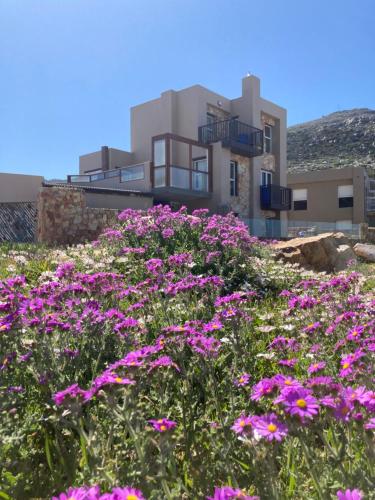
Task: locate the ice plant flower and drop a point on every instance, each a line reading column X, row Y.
column 299, row 402
column 242, row 380
column 229, row 493
column 243, row 425
column 82, row 493
column 316, row 367
column 269, row 427
column 163, row 424
column 349, row 495
column 123, row 494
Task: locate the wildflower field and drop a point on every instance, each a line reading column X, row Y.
column 175, row 359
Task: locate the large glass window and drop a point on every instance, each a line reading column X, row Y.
column 345, row 195
column 133, row 173
column 233, row 178
column 268, row 139
column 159, row 153
column 200, row 174
column 159, row 177
column 299, row 199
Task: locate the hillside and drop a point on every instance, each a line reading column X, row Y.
column 340, row 139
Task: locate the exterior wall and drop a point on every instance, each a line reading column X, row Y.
column 117, row 201
column 16, row 188
column 69, row 215
column 322, row 195
column 94, row 161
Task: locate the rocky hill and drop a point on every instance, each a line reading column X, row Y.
column 338, row 140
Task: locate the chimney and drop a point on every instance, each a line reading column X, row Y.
column 105, row 158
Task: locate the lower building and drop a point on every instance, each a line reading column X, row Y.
column 332, row 199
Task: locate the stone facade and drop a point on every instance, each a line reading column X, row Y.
column 240, row 204
column 64, row 218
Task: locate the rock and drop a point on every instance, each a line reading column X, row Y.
column 326, row 252
column 365, row 251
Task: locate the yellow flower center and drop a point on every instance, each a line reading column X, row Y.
column 163, row 428
column 301, row 403
column 346, row 365
column 242, row 380
column 132, row 497
column 118, row 380
column 160, row 421
column 2, row 327
column 287, row 382
column 355, row 333
column 215, row 326
column 272, row 427
column 242, row 423
column 316, row 365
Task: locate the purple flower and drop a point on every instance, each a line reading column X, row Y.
column 82, row 493
column 123, row 494
column 242, row 380
column 299, row 402
column 349, row 495
column 370, row 424
column 244, row 424
column 163, row 424
column 229, row 493
column 315, row 367
column 263, row 388
column 71, row 392
column 269, row 427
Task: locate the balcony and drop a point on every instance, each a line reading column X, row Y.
column 273, row 197
column 181, row 168
column 242, row 139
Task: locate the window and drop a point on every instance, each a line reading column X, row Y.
column 345, row 195
column 266, row 178
column 133, row 173
column 267, row 139
column 200, row 174
column 159, row 153
column 299, row 199
column 233, row 179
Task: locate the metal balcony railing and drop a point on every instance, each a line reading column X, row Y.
column 241, row 138
column 273, row 197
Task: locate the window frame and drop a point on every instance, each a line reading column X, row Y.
column 345, row 201
column 268, row 175
column 233, row 178
column 267, row 139
column 300, row 203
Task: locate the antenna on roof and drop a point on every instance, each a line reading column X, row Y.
column 248, row 73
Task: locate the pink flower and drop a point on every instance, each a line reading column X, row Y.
column 82, row 493
column 315, row 367
column 243, row 425
column 229, row 493
column 242, row 380
column 269, row 427
column 299, row 402
column 162, row 424
column 349, row 495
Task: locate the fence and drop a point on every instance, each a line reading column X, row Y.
column 273, row 228
column 18, row 222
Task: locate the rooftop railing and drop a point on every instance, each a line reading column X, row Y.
column 108, row 174
column 240, row 137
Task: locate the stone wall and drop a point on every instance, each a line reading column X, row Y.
column 240, row 203
column 18, row 222
column 64, row 218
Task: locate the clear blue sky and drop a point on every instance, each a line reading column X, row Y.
column 71, row 69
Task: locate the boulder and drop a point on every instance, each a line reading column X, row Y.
column 326, row 252
column 365, row 251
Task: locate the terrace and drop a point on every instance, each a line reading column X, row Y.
column 241, row 138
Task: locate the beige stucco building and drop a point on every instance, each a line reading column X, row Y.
column 197, row 148
column 341, row 197
column 17, row 188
